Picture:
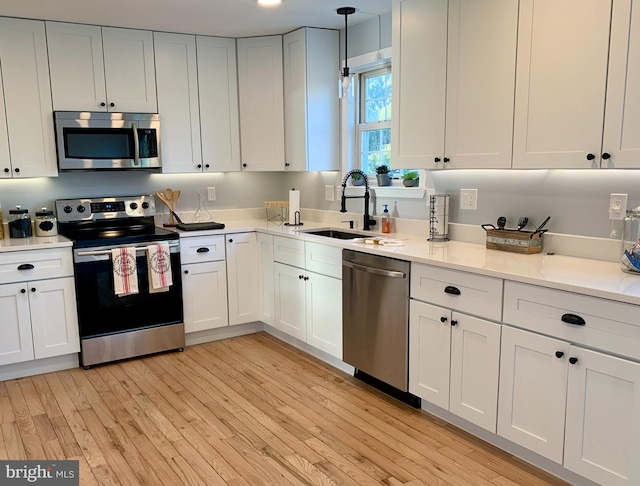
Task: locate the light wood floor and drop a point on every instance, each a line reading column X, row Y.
column 247, row 410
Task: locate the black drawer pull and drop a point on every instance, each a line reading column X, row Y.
column 573, row 360
column 450, row 289
column 454, row 323
column 559, row 354
column 573, row 319
column 26, row 266
column 443, row 319
column 202, row 250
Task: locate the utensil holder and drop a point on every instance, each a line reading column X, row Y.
column 526, row 242
column 439, row 217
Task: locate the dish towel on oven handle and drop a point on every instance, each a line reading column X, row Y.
column 125, row 271
column 159, row 265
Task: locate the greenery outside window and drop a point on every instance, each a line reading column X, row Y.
column 374, row 120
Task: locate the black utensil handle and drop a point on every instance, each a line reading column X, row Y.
column 26, row 266
column 573, row 319
column 450, row 289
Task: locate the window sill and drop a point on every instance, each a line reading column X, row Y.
column 395, row 192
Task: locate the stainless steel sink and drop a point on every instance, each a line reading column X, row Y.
column 332, row 233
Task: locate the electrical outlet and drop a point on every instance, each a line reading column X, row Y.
column 469, row 199
column 617, row 206
column 211, row 193
column 329, row 193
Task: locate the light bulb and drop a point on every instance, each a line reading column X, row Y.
column 346, row 82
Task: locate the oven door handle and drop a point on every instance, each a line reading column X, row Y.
column 108, row 252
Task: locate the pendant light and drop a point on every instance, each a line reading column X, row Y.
column 346, row 79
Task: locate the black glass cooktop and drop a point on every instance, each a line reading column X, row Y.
column 112, row 233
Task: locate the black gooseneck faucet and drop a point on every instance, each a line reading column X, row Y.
column 368, row 222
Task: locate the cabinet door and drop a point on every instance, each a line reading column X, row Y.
column 219, row 116
column 290, row 301
column 242, row 275
column 54, row 318
column 5, row 156
column 419, row 73
column 429, row 352
column 129, row 70
column 622, row 115
column 204, row 291
column 324, row 313
column 266, row 278
column 602, row 440
column 560, row 83
column 27, row 97
column 533, row 388
column 16, row 344
column 260, row 84
column 481, row 64
column 475, row 368
column 77, row 67
column 177, row 87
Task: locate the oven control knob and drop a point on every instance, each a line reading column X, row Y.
column 133, row 206
column 81, row 208
column 67, row 209
column 145, row 205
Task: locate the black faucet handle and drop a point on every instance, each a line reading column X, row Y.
column 350, row 221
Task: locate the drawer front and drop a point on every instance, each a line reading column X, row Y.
column 35, row 265
column 324, row 259
column 609, row 326
column 461, row 291
column 289, row 251
column 202, row 249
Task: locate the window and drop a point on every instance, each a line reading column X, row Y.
column 374, row 121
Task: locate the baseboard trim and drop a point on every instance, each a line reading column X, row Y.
column 39, row 366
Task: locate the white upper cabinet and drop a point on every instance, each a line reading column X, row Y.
column 621, row 143
column 101, row 68
column 311, row 101
column 260, row 85
column 563, row 46
column 453, row 70
column 27, row 146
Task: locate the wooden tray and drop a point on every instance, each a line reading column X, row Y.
column 527, row 242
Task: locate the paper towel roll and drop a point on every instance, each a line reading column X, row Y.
column 294, row 205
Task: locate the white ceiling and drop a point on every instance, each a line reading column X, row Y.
column 226, row 18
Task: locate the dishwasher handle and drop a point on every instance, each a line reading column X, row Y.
column 375, row 271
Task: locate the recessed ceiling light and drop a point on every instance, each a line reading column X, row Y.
column 269, row 3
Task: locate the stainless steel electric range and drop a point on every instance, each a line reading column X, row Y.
column 114, row 327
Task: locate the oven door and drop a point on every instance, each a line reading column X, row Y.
column 101, row 312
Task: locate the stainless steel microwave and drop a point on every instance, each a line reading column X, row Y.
column 107, row 141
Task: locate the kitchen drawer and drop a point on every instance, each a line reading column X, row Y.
column 324, row 259
column 289, row 251
column 53, row 263
column 609, row 326
column 465, row 292
column 196, row 249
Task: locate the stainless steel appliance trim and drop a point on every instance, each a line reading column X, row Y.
column 130, row 344
column 376, row 271
column 104, row 253
column 108, row 252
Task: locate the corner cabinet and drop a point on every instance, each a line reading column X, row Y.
column 453, row 96
column 311, row 99
column 25, row 101
column 97, row 68
column 260, row 91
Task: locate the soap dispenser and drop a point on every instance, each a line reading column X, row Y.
column 386, row 220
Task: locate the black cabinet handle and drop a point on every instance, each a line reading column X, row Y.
column 573, row 319
column 199, row 166
column 306, row 278
column 206, row 166
column 590, row 156
column 573, row 360
column 103, row 104
column 443, row 319
column 230, row 240
column 26, row 266
column 33, row 289
column 454, row 323
column 606, row 156
column 202, row 250
column 17, row 169
column 244, row 165
column 6, row 170
column 445, row 160
column 437, row 159
column 112, row 104
column 300, row 277
column 450, row 289
column 559, row 354
column 186, row 272
column 287, row 164
column 23, row 291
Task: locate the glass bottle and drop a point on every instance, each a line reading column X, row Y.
column 201, row 215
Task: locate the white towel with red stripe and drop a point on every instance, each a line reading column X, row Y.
column 125, row 271
column 159, row 265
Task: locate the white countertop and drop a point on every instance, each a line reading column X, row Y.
column 33, row 243
column 590, row 277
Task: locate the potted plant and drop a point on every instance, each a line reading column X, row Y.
column 357, row 179
column 410, row 178
column 382, row 174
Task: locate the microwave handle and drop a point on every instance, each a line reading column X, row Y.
column 136, row 145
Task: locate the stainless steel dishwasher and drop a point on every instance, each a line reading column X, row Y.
column 375, row 321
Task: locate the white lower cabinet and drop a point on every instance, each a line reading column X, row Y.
column 242, row 278
column 323, row 298
column 204, row 290
column 290, row 300
column 454, row 362
column 577, row 407
column 39, row 320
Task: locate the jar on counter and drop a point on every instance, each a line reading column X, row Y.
column 19, row 223
column 46, row 223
